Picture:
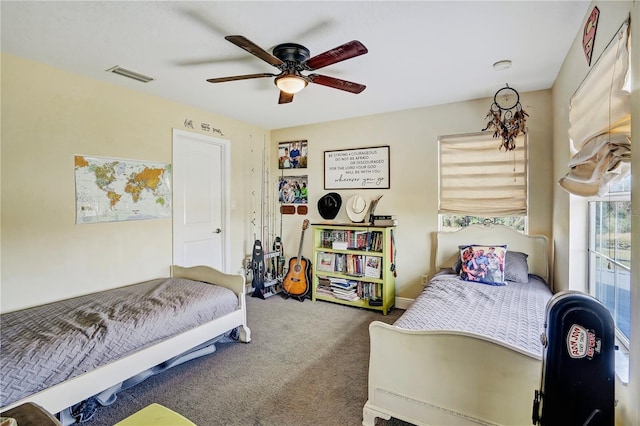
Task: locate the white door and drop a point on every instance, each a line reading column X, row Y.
column 201, row 200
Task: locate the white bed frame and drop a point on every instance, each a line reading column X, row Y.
column 455, row 378
column 57, row 398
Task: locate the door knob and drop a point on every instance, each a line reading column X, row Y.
column 217, row 231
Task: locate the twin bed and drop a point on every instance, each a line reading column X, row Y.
column 60, row 354
column 465, row 352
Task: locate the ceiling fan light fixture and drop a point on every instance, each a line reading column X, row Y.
column 291, row 59
column 290, row 83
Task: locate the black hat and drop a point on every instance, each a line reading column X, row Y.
column 329, row 205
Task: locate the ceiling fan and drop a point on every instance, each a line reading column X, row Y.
column 291, row 59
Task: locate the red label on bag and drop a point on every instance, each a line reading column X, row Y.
column 582, row 342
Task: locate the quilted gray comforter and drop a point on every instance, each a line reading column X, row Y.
column 513, row 314
column 45, row 345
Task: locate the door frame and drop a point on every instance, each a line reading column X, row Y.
column 225, row 175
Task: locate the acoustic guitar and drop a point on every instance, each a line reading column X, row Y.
column 296, row 282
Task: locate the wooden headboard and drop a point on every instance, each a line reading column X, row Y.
column 534, row 245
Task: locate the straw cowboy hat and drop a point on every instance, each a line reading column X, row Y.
column 329, row 205
column 357, row 208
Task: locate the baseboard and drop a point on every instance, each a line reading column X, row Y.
column 403, row 302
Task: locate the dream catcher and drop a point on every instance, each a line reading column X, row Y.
column 507, row 118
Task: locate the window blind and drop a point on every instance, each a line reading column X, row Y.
column 599, row 123
column 479, row 179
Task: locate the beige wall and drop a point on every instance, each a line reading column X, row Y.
column 569, row 212
column 413, row 197
column 48, row 116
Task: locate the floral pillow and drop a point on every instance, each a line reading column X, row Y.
column 483, row 263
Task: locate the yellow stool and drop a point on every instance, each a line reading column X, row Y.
column 155, row 415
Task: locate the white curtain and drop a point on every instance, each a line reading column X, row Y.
column 599, row 123
column 477, row 178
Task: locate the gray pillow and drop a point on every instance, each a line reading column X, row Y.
column 516, row 268
column 457, row 266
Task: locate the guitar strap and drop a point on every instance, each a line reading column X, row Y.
column 257, row 267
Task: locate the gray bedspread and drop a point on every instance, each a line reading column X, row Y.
column 513, row 314
column 45, row 345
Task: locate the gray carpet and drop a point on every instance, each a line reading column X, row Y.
column 306, row 365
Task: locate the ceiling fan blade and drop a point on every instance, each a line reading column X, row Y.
column 336, row 83
column 254, row 49
column 239, row 77
column 346, row 51
column 285, row 97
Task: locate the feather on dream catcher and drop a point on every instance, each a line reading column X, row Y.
column 506, row 117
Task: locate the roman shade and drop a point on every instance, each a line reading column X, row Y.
column 479, row 179
column 600, row 123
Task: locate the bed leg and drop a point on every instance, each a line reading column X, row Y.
column 369, row 415
column 244, row 334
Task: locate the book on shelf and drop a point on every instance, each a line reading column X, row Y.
column 324, row 281
column 354, row 263
column 350, row 298
column 375, row 243
column 342, row 283
column 348, row 289
column 350, row 294
column 326, row 239
column 339, row 239
column 383, row 217
column 385, row 222
column 339, row 245
column 360, row 240
column 340, row 262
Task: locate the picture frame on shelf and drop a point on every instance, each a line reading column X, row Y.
column 326, row 262
column 373, row 267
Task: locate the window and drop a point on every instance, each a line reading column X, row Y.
column 610, row 253
column 480, row 183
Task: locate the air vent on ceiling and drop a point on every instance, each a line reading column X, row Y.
column 131, row 74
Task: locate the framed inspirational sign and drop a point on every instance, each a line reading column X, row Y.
column 362, row 168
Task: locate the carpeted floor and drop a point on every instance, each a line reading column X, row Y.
column 306, row 365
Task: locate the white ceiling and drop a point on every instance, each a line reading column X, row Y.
column 421, row 53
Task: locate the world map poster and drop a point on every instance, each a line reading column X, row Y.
column 113, row 189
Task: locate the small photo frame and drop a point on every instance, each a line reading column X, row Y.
column 293, row 189
column 292, row 155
